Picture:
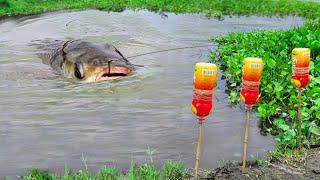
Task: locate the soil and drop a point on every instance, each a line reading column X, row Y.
column 302, row 167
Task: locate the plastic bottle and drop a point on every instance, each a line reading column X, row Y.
column 251, row 74
column 204, row 80
column 300, row 67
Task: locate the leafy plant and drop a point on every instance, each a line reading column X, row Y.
column 173, row 171
column 148, row 172
column 38, row 174
column 108, row 174
column 84, row 160
column 287, row 134
column 131, row 173
column 150, row 153
column 169, row 171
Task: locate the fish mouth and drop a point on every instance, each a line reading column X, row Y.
column 114, row 73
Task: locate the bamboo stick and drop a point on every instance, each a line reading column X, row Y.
column 198, row 150
column 299, row 120
column 245, row 141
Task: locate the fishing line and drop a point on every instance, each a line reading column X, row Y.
column 167, row 50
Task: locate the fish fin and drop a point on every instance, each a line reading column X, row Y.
column 109, row 46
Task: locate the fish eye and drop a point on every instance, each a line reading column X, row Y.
column 78, row 71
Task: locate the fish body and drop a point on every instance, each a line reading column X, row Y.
column 84, row 61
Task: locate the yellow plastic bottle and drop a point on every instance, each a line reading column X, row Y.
column 252, row 69
column 205, row 75
column 251, row 74
column 300, row 67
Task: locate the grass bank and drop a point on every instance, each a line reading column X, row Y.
column 291, row 165
column 170, row 170
column 210, row 7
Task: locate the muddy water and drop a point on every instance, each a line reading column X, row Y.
column 48, row 122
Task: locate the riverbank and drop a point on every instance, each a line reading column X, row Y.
column 216, row 8
column 278, row 165
column 292, row 165
column 170, row 170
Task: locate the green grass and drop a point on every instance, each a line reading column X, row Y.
column 169, row 171
column 286, row 153
column 210, row 7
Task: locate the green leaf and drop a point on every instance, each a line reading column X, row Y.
column 318, row 114
column 317, row 80
column 233, row 97
column 315, row 44
column 262, row 109
column 233, row 84
column 278, row 89
column 131, row 171
column 315, row 130
column 280, row 123
column 317, row 102
column 305, row 114
column 271, row 63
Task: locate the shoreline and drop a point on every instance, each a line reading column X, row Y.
column 213, row 8
column 292, row 164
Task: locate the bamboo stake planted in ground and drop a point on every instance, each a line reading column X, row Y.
column 198, row 150
column 249, row 95
column 204, row 82
column 300, row 79
column 299, row 120
column 245, row 140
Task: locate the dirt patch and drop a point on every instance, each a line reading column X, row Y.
column 302, row 167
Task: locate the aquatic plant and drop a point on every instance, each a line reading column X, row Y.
column 278, row 101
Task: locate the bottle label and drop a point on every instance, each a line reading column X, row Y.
column 255, row 66
column 207, row 72
column 306, row 54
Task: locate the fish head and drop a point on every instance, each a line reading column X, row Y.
column 86, row 62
